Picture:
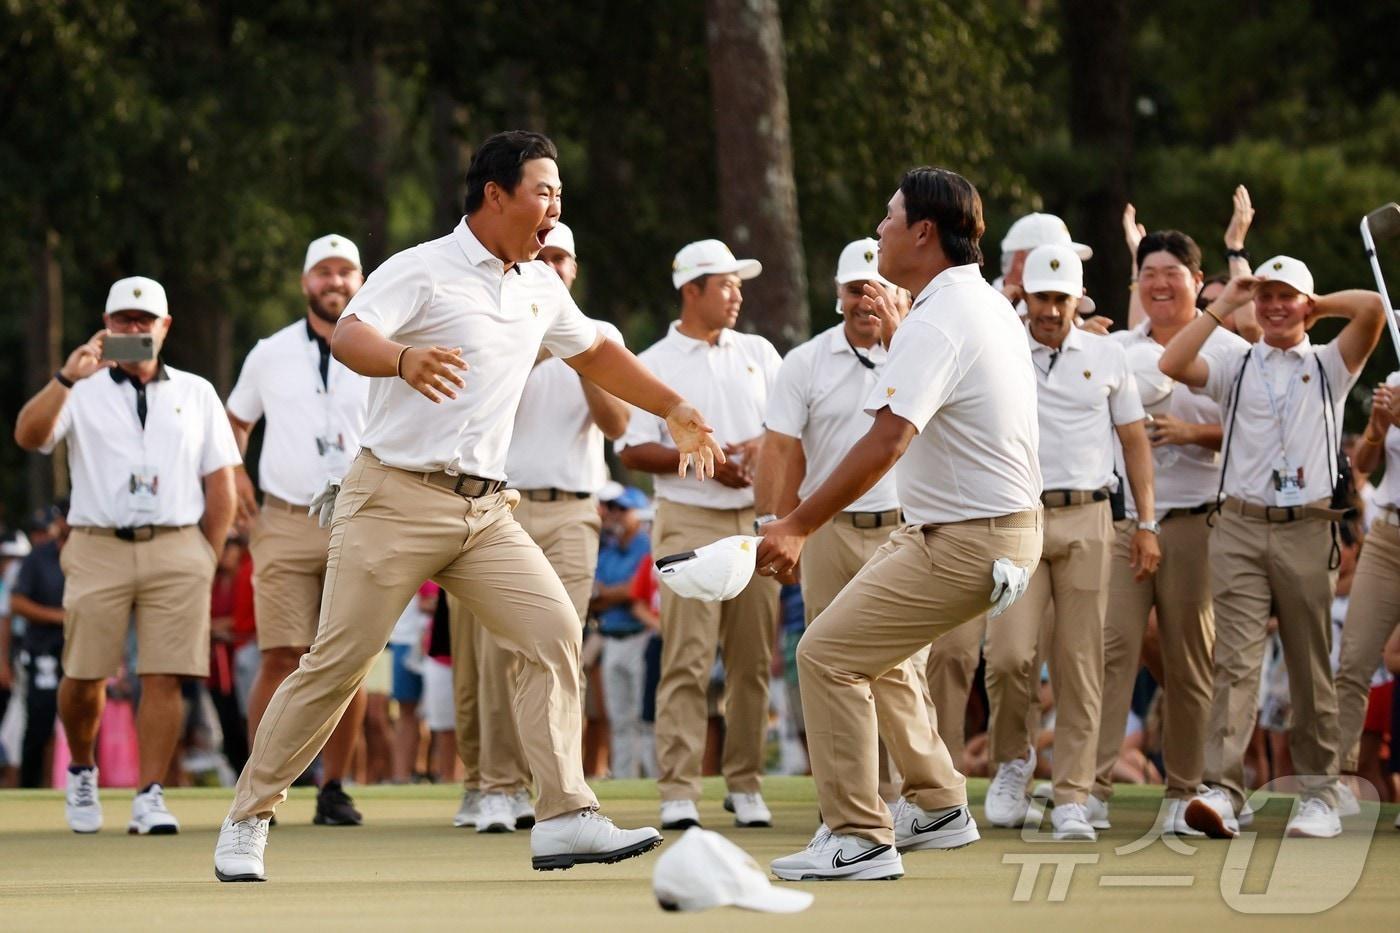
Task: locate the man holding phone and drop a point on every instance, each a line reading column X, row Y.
column 151, row 457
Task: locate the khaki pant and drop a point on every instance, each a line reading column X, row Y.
column 923, row 582
column 392, row 530
column 289, row 572
column 1258, row 567
column 1180, row 592
column 1372, row 613
column 485, row 683
column 743, row 629
column 950, row 673
column 164, row 582
column 1073, row 577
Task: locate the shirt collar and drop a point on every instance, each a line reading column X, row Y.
column 311, row 334
column 1074, row 340
column 477, row 254
column 690, row 344
column 1299, row 349
column 836, row 344
column 953, row 275
column 119, row 375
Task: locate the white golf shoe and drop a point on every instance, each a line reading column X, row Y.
column 1347, row 804
column 149, row 816
column 1007, row 802
column 522, row 809
column 238, row 855
column 1212, row 813
column 467, row 812
column 917, row 828
column 679, row 814
column 82, row 808
column 495, row 815
column 1175, row 820
column 1070, row 822
column 829, row 857
column 748, row 809
column 1098, row 812
column 586, row 837
column 1314, row 818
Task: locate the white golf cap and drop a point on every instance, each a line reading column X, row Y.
column 561, row 237
column 331, row 246
column 710, row 257
column 1056, row 269
column 1154, row 386
column 1289, row 271
column 704, row 870
column 859, row 262
column 138, row 293
column 715, row 572
column 1035, row 230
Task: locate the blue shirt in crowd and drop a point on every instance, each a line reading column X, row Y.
column 618, row 563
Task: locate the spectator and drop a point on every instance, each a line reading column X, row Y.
column 38, row 597
column 406, row 644
column 438, row 708
column 224, row 642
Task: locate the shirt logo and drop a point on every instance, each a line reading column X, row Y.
column 1307, row 377
column 750, row 370
column 535, row 310
column 1054, row 264
column 889, row 392
column 1087, row 374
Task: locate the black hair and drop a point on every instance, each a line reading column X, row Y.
column 502, row 159
column 952, row 204
column 701, row 282
column 1171, row 241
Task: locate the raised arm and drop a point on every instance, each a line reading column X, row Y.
column 1365, row 315
column 1245, row 322
column 37, row 418
column 1181, row 359
column 429, row 370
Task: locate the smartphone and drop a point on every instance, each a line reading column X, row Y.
column 129, row 348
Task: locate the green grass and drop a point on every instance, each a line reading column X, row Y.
column 407, row 868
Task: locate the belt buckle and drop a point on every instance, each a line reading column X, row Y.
column 865, row 520
column 457, row 486
column 136, row 533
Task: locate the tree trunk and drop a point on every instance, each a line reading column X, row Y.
column 48, row 476
column 372, row 152
column 758, row 194
column 1097, row 41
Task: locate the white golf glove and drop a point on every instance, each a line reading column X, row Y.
column 1008, row 583
column 323, row 506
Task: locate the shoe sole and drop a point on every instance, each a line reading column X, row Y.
column 223, row 877
column 464, row 825
column 680, row 824
column 524, row 822
column 567, row 860
column 132, row 830
column 871, row 873
column 1292, row 833
column 945, row 842
column 753, row 823
column 321, row 820
column 1203, row 819
column 495, row 829
column 1076, row 836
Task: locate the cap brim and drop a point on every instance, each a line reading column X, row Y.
column 776, row 900
column 1031, row 288
column 1082, row 251
column 854, row 277
column 748, row 268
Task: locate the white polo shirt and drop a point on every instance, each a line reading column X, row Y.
column 1387, row 494
column 961, row 373
column 729, row 383
column 1187, row 475
column 452, row 292
column 124, row 476
column 313, row 430
column 819, row 396
column 1290, row 425
column 556, row 445
column 1084, row 391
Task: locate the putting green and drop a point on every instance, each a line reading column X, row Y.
column 407, row 868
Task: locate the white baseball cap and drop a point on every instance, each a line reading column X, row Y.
column 1154, row 386
column 331, row 246
column 859, row 262
column 1289, row 271
column 138, row 293
column 1056, row 269
column 561, row 237
column 715, row 572
column 1035, row 230
column 710, row 257
column 704, row 870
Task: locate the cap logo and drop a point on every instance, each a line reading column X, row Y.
column 744, row 546
column 1087, row 374
column 136, row 292
column 1278, row 266
column 335, row 242
column 870, row 255
column 889, row 392
column 1054, row 265
column 535, row 310
column 675, row 264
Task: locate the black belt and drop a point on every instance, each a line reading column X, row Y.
column 1201, row 509
column 1062, row 498
column 872, row 519
column 463, row 484
column 131, row 532
column 552, row 494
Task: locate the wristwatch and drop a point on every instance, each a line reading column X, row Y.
column 1154, row 527
column 763, row 520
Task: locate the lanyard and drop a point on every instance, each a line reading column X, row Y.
column 1280, row 414
column 324, row 377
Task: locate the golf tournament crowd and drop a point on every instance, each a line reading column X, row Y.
column 1214, row 610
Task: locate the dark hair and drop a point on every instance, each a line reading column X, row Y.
column 952, row 204
column 1171, row 241
column 701, row 282
column 502, row 159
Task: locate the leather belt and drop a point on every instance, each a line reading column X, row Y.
column 1062, row 498
column 552, row 495
column 1181, row 511
column 1280, row 513
column 462, row 484
column 282, row 505
column 872, row 519
column 131, row 532
column 1028, row 519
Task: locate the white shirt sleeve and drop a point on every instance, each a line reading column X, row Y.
column 245, row 401
column 394, row 294
column 787, row 400
column 920, row 375
column 1124, row 401
column 1223, row 363
column 570, row 333
column 611, row 332
column 220, row 448
column 772, row 362
column 64, row 424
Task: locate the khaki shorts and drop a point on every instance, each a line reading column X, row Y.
column 289, row 568
column 165, row 582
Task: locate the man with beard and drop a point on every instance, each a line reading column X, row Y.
column 315, row 411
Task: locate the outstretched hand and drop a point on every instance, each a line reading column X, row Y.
column 1133, row 232
column 694, row 441
column 430, row 371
